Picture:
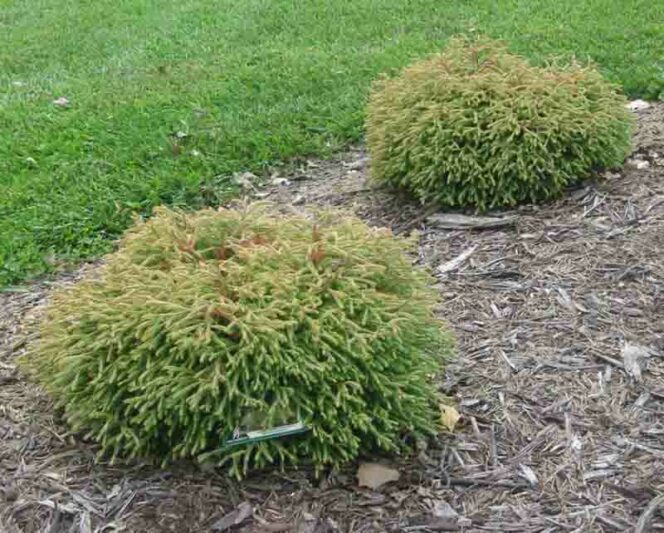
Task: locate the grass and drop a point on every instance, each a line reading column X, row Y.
column 167, row 99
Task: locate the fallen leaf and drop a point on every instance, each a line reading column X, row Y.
column 529, row 475
column 374, row 475
column 638, row 105
column 633, row 355
column 449, row 416
column 638, row 164
column 62, row 101
column 234, row 518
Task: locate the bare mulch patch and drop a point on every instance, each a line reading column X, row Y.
column 559, row 315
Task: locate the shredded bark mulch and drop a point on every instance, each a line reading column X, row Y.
column 558, row 312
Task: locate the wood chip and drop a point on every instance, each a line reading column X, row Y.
column 455, row 221
column 236, row 517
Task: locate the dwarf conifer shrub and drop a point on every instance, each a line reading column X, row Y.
column 478, row 126
column 204, row 324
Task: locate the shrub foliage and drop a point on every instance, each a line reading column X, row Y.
column 478, row 126
column 204, row 323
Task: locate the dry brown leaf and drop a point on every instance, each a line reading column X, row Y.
column 374, row 475
column 449, row 416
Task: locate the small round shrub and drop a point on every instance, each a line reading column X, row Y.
column 201, row 324
column 477, row 126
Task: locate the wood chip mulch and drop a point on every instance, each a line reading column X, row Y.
column 558, row 312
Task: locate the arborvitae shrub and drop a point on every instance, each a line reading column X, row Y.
column 478, row 126
column 204, row 323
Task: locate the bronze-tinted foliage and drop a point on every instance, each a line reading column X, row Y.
column 478, row 126
column 203, row 323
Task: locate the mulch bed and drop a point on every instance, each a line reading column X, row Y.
column 558, row 312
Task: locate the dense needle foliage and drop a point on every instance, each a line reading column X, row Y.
column 202, row 324
column 478, row 126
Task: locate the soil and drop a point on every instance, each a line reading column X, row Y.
column 559, row 318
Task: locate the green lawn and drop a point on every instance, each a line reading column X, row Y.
column 245, row 83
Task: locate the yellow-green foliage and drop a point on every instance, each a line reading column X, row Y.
column 203, row 323
column 478, row 126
